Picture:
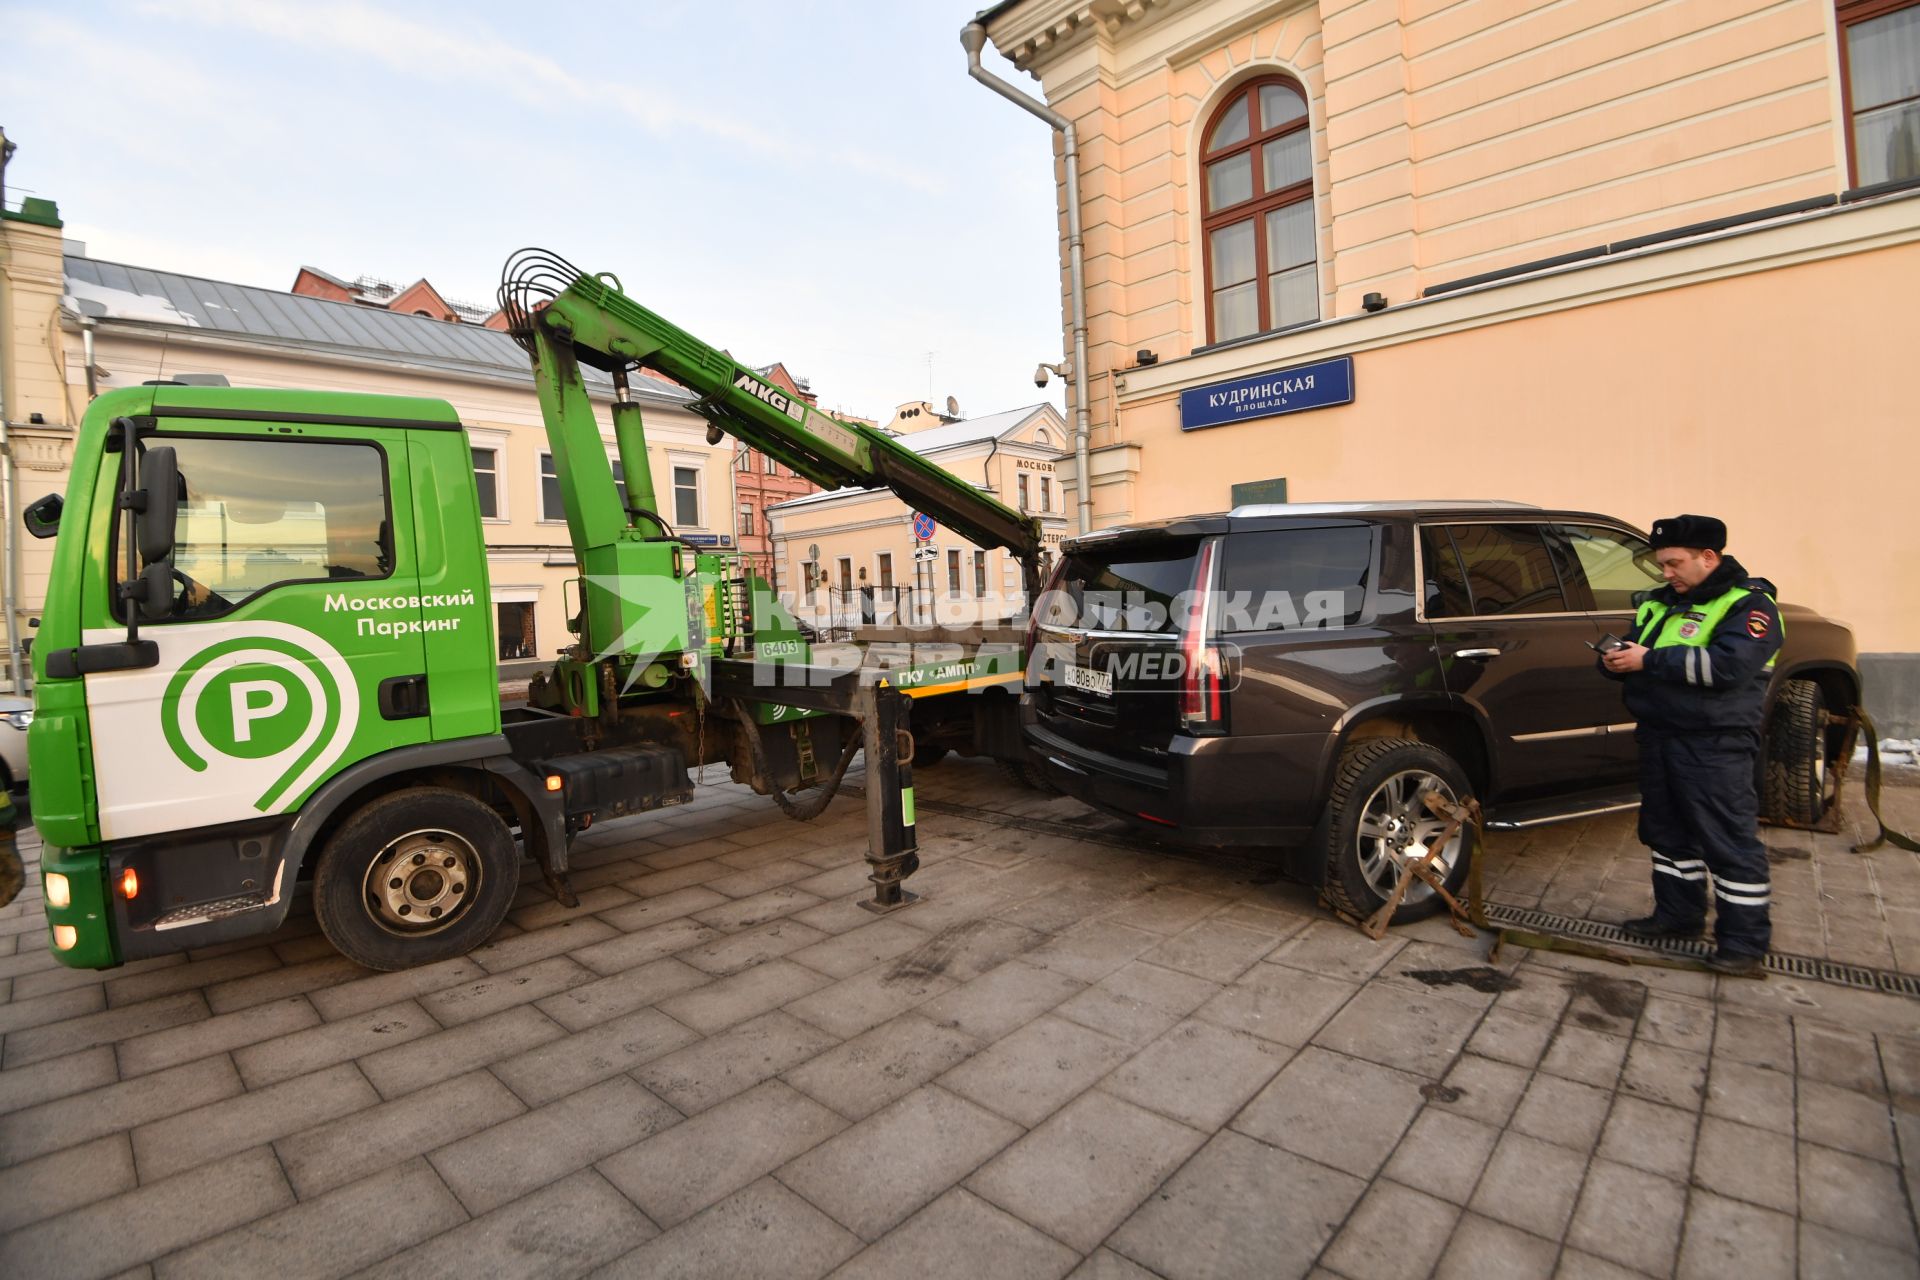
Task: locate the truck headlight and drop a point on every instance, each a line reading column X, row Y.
column 59, row 893
column 18, row 719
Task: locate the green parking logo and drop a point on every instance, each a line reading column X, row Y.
column 266, row 709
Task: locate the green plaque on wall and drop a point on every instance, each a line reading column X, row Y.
column 1259, row 491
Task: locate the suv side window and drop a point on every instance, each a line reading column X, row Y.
column 1615, row 564
column 1506, row 569
column 1280, row 578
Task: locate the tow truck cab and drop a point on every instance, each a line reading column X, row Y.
column 318, row 601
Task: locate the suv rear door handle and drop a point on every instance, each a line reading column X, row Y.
column 1476, row 653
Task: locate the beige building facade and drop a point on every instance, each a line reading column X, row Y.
column 1635, row 256
column 850, row 556
column 146, row 324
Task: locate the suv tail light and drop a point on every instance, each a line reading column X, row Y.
column 1033, row 617
column 1201, row 670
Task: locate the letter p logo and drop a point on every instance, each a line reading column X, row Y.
column 272, row 700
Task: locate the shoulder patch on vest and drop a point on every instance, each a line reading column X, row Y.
column 1758, row 622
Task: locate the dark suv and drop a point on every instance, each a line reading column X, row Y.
column 1299, row 675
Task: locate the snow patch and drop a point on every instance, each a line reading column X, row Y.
column 1899, row 752
column 98, row 300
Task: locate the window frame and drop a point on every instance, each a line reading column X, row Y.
column 1847, row 14
column 498, row 454
column 1446, row 525
column 116, row 559
column 545, row 460
column 674, row 468
column 1255, row 207
column 1557, row 535
column 954, row 579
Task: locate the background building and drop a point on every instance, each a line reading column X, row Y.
column 760, row 482
column 1639, row 257
column 848, row 555
column 58, row 304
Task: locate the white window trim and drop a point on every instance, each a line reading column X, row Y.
column 481, row 438
column 541, row 458
column 697, row 464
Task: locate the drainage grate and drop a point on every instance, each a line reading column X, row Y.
column 1792, row 966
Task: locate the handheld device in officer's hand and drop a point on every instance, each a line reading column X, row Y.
column 1607, row 643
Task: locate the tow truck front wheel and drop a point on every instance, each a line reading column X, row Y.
column 418, row 876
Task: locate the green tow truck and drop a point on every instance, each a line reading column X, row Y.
column 266, row 651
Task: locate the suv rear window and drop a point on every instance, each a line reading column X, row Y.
column 1128, row 588
column 1283, row 578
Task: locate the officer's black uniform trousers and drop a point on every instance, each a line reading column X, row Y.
column 1699, row 814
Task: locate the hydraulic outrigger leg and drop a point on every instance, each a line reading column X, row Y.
column 891, row 850
column 882, row 711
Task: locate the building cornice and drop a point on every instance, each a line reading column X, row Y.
column 1036, row 34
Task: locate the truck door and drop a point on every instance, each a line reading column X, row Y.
column 296, row 630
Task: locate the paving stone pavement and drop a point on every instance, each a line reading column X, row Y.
column 1079, row 1055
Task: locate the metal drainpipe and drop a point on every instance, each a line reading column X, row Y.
column 973, row 38
column 9, row 557
column 86, row 341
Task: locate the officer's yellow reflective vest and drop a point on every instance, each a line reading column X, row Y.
column 1691, row 624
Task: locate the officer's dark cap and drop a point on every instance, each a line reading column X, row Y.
column 1693, row 532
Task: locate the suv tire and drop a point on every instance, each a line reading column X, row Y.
column 1378, row 782
column 1022, row 774
column 1796, row 766
column 454, row 870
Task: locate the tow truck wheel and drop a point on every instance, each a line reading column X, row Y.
column 418, row 876
column 1377, row 821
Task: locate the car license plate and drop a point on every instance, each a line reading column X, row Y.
column 1100, row 682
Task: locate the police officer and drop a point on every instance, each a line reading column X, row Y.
column 1696, row 669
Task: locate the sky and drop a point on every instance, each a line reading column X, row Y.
column 811, row 182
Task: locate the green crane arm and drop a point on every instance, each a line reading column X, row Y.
column 564, row 316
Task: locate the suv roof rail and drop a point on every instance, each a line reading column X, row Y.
column 1340, row 508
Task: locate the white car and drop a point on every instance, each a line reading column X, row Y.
column 15, row 715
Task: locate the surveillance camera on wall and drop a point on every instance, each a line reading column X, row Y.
column 1040, row 376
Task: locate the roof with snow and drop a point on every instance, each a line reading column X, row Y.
column 166, row 300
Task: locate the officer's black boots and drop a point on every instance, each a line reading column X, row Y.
column 1654, row 928
column 1735, row 964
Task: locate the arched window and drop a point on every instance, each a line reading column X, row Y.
column 1257, row 212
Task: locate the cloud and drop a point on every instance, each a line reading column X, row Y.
column 474, row 55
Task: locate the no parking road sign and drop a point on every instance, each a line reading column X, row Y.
column 922, row 525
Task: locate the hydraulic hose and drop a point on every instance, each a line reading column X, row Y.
column 813, row 806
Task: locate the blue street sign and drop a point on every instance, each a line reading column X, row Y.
column 922, row 525
column 1306, row 386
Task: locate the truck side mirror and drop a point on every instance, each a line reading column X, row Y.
column 160, row 483
column 154, row 594
column 43, row 517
